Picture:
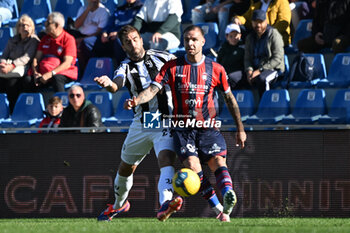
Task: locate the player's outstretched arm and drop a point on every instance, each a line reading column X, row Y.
column 234, row 110
column 105, row 82
column 144, row 96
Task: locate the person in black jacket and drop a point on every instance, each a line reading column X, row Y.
column 80, row 112
column 330, row 27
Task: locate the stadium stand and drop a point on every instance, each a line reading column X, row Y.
column 110, row 5
column 309, row 107
column 5, row 34
column 273, row 106
column 38, row 10
column 339, row 112
column 28, row 110
column 339, row 73
column 122, row 117
column 302, row 31
column 102, row 100
column 15, row 16
column 318, row 62
column 246, row 103
column 69, row 8
column 96, row 67
column 4, row 107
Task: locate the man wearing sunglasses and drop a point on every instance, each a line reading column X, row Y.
column 136, row 73
column 80, row 112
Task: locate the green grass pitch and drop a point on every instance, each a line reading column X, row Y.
column 180, row 225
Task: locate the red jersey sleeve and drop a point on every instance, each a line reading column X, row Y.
column 164, row 76
column 222, row 81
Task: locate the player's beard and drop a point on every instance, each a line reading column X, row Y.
column 137, row 55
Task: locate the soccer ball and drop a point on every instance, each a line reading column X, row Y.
column 186, row 182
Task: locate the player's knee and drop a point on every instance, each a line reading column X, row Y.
column 166, row 158
column 215, row 162
column 126, row 169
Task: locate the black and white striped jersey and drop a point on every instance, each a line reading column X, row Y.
column 137, row 76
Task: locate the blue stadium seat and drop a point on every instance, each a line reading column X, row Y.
column 309, row 107
column 339, row 72
column 317, row 59
column 69, row 8
column 5, row 34
column 64, row 98
column 38, row 10
column 15, row 16
column 102, row 100
column 122, row 117
column 245, row 100
column 273, row 106
column 4, row 107
column 302, row 31
column 96, row 67
column 28, row 110
column 111, row 5
column 339, row 112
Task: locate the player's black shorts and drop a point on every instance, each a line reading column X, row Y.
column 203, row 143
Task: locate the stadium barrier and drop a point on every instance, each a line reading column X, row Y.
column 279, row 174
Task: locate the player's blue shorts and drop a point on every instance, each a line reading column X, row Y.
column 203, row 143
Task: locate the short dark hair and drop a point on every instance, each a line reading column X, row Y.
column 125, row 30
column 194, row 27
column 55, row 100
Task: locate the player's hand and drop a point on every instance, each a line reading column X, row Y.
column 241, row 137
column 103, row 81
column 130, row 103
column 156, row 37
column 236, row 21
column 113, row 35
column 104, row 37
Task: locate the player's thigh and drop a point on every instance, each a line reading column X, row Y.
column 164, row 148
column 211, row 143
column 136, row 146
column 185, row 143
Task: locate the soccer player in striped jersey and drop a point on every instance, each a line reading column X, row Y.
column 136, row 73
column 192, row 79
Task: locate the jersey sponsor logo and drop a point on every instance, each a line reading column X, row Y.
column 151, row 120
column 59, row 49
column 194, row 102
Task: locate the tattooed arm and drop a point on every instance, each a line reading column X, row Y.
column 234, row 110
column 145, row 96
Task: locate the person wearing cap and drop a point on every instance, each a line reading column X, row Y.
column 231, row 56
column 264, row 53
column 278, row 15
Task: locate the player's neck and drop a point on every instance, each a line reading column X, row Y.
column 195, row 58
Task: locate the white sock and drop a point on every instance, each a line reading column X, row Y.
column 165, row 187
column 218, row 209
column 122, row 186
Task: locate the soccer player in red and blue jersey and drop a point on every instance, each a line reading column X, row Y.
column 192, row 79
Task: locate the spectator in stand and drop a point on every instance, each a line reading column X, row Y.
column 53, row 115
column 278, row 16
column 264, row 53
column 300, row 10
column 91, row 19
column 108, row 45
column 330, row 27
column 6, row 10
column 231, row 56
column 159, row 24
column 80, row 112
column 214, row 10
column 54, row 62
column 16, row 58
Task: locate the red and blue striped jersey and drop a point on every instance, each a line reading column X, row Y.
column 192, row 86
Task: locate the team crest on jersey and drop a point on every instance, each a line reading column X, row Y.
column 59, row 50
column 183, row 150
column 204, row 76
column 148, row 64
